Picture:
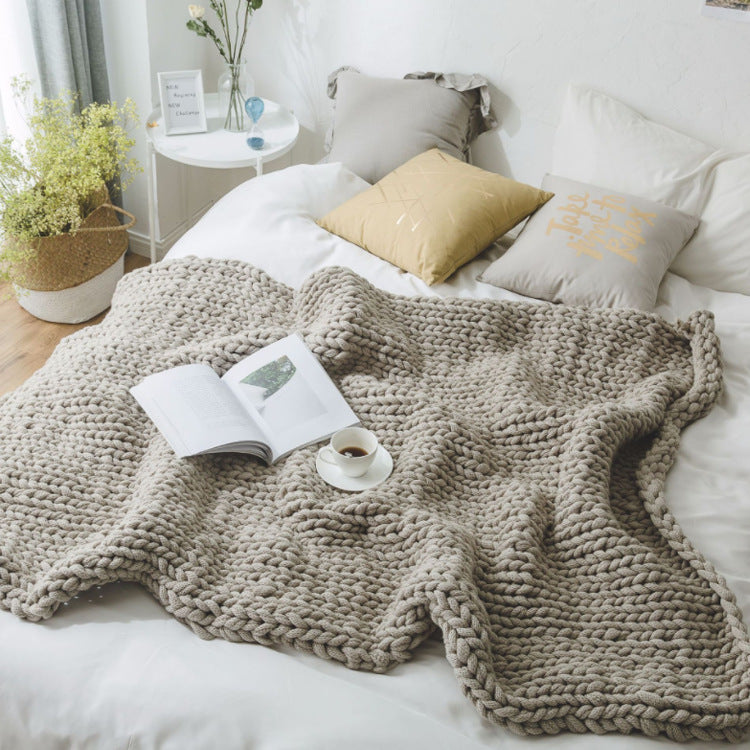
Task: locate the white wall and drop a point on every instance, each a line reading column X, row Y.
column 126, row 43
column 660, row 56
column 16, row 58
column 142, row 38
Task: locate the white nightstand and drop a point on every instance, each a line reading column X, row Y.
column 216, row 148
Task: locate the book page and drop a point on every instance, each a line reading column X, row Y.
column 289, row 394
column 194, row 411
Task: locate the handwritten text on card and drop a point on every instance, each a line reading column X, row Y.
column 182, row 100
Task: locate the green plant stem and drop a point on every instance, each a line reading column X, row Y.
column 220, row 8
column 227, row 31
column 244, row 33
column 233, row 44
column 235, row 109
column 237, row 30
column 217, row 41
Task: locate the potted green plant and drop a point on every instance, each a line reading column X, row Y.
column 61, row 241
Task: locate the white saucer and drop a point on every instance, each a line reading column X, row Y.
column 380, row 470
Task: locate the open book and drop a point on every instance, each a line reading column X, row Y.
column 269, row 404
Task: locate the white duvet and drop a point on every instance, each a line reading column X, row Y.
column 114, row 670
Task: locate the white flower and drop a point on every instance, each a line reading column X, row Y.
column 196, row 11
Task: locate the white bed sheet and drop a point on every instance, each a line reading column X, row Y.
column 114, row 670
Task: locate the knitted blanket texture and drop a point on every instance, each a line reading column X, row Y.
column 525, row 516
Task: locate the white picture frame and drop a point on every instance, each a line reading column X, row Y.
column 182, row 104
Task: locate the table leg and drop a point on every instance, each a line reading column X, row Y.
column 151, row 175
column 259, row 167
column 187, row 209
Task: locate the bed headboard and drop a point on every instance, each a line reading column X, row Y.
column 663, row 58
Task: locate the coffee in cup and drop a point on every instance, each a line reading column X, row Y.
column 352, row 449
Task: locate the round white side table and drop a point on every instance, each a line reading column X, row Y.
column 216, row 148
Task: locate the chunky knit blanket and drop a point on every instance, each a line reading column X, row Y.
column 525, row 517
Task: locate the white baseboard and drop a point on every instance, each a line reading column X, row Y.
column 140, row 244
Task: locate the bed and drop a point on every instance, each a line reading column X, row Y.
column 113, row 669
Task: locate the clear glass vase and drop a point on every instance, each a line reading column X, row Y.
column 234, row 87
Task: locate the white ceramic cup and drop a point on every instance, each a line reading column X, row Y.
column 350, row 437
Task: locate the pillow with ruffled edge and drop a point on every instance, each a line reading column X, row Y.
column 381, row 123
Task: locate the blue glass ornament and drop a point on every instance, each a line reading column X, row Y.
column 254, row 107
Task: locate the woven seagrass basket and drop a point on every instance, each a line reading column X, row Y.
column 67, row 260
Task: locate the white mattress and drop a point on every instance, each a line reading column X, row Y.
column 113, row 670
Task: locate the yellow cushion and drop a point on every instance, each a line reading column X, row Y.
column 433, row 214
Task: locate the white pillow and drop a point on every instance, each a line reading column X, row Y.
column 603, row 141
column 718, row 256
column 265, row 216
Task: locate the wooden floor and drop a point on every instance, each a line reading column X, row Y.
column 26, row 341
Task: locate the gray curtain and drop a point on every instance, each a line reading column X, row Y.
column 69, row 47
column 69, row 51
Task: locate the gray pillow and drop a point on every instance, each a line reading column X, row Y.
column 594, row 247
column 381, row 123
